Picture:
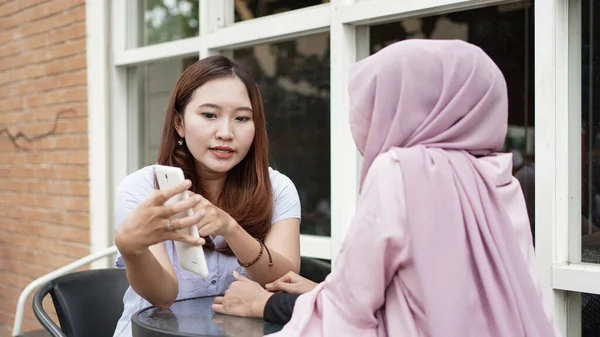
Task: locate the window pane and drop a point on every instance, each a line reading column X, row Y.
column 583, row 314
column 590, row 145
column 157, row 21
column 150, row 87
column 252, row 9
column 505, row 33
column 294, row 80
column 590, row 315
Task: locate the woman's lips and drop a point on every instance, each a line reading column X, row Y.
column 222, row 152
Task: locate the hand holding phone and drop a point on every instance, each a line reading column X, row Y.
column 191, row 257
column 149, row 222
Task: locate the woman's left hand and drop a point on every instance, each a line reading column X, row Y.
column 244, row 297
column 215, row 221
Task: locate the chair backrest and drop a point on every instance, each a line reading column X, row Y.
column 89, row 303
column 313, row 269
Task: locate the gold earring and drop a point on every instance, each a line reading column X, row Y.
column 180, row 142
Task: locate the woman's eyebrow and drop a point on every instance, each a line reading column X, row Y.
column 209, row 105
column 215, row 106
column 243, row 108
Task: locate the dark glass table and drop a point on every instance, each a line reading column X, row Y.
column 195, row 317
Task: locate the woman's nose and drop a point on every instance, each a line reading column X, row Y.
column 224, row 130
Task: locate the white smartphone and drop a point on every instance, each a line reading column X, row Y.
column 191, row 257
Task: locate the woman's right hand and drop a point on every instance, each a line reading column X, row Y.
column 148, row 224
column 291, row 283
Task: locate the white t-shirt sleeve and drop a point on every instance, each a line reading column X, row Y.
column 134, row 189
column 286, row 202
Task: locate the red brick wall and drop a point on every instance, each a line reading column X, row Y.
column 43, row 183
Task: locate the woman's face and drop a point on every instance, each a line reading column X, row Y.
column 217, row 125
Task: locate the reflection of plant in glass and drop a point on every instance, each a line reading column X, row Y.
column 169, row 20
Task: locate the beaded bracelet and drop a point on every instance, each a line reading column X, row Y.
column 262, row 247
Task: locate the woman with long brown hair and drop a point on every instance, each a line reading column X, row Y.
column 215, row 131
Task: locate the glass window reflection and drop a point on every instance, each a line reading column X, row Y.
column 294, row 79
column 252, row 9
column 158, row 21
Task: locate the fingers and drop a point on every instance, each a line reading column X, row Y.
column 204, row 201
column 219, row 309
column 161, row 196
column 285, row 283
column 280, row 286
column 291, row 277
column 287, row 278
column 187, row 221
column 178, row 207
column 206, row 230
column 205, row 204
column 184, row 237
column 240, row 277
column 218, row 305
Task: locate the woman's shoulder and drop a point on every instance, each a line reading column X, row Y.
column 280, row 182
column 385, row 171
column 138, row 182
column 286, row 202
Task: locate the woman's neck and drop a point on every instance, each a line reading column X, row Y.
column 212, row 184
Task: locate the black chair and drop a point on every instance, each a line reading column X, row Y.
column 313, row 269
column 88, row 303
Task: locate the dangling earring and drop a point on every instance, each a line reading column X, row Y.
column 180, row 142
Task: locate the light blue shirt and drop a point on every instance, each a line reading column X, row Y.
column 136, row 187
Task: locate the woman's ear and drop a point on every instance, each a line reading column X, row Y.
column 179, row 125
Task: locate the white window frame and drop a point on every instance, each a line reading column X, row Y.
column 557, row 104
column 98, row 94
column 558, row 144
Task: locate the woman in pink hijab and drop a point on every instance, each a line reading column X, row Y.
column 440, row 244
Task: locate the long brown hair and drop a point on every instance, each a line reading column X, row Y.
column 246, row 195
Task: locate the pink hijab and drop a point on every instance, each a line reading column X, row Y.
column 436, row 106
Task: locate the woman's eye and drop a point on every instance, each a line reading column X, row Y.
column 243, row 119
column 209, row 115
